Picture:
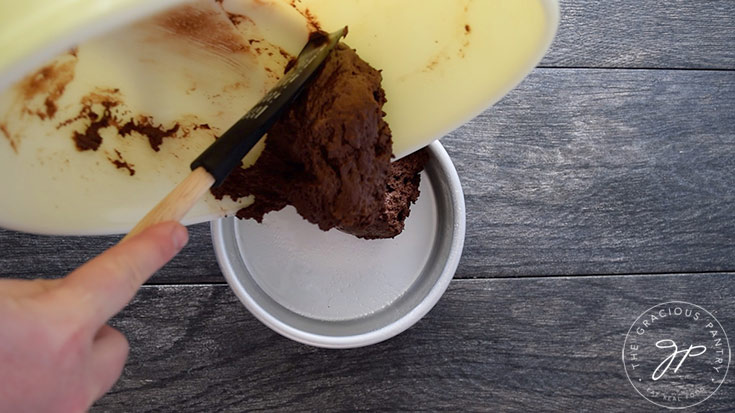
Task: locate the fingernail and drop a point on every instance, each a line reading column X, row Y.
column 180, row 237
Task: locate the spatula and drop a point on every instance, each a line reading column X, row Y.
column 214, row 164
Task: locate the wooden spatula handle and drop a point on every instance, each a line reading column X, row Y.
column 178, row 202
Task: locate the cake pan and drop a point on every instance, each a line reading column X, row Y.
column 330, row 289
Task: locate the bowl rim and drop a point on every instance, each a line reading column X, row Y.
column 101, row 19
column 377, row 335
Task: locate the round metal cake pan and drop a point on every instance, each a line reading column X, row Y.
column 330, row 289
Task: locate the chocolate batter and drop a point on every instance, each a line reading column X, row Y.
column 145, row 127
column 401, row 190
column 121, row 163
column 329, row 156
column 90, row 138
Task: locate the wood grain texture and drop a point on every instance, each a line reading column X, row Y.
column 37, row 256
column 489, row 345
column 645, row 34
column 600, row 172
column 575, row 172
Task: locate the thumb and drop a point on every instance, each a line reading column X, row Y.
column 109, row 351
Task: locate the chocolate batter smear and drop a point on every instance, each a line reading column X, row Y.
column 205, row 28
column 290, row 65
column 42, row 89
column 145, row 127
column 120, row 163
column 286, row 55
column 311, row 22
column 329, row 156
column 320, row 37
column 90, row 138
column 6, row 133
column 237, row 19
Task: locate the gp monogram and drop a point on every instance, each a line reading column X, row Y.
column 676, row 354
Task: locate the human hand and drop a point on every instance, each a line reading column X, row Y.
column 57, row 353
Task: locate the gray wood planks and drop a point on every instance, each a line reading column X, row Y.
column 550, row 344
column 645, row 34
column 31, row 256
column 577, row 171
column 600, row 171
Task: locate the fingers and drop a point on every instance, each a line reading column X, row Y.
column 109, row 352
column 23, row 288
column 103, row 286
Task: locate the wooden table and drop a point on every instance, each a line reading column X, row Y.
column 603, row 185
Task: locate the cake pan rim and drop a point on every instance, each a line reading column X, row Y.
column 405, row 321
